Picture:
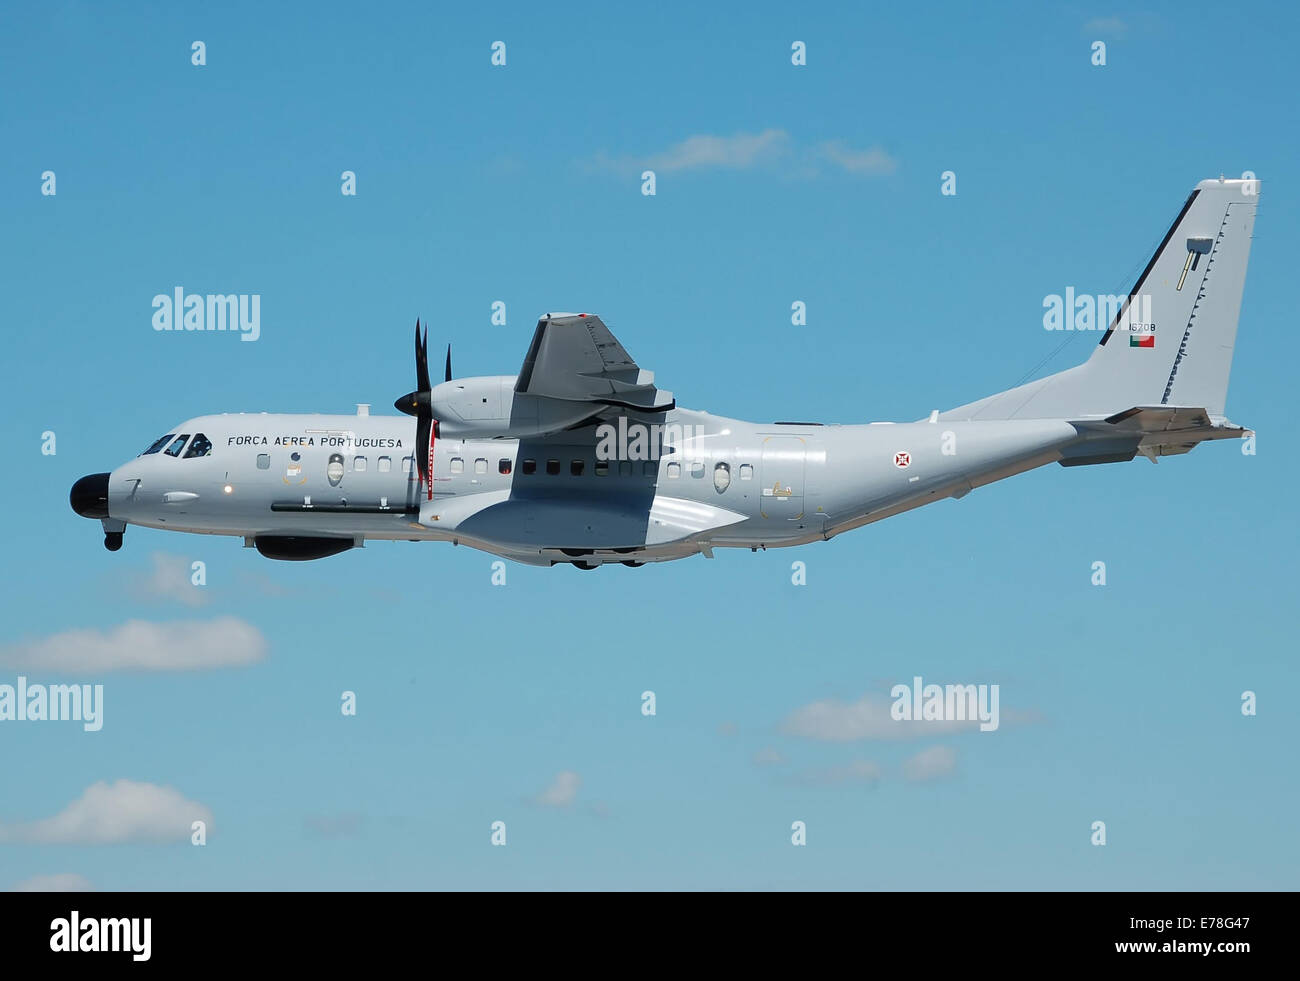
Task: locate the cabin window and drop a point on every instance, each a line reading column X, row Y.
column 721, row 477
column 157, row 445
column 552, row 467
column 457, row 465
column 674, row 471
column 503, row 466
column 602, row 468
column 359, row 464
column 334, row 469
column 576, row 467
column 202, row 446
column 650, row 468
column 408, row 466
column 697, row 468
column 264, row 461
column 177, row 445
column 624, row 468
column 746, row 471
column 530, row 466
column 480, row 465
column 385, row 464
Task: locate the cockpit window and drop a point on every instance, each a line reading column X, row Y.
column 178, row 444
column 158, row 445
column 202, row 446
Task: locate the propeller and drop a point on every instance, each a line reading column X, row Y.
column 448, row 378
column 417, row 403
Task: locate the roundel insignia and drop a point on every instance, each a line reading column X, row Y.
column 902, row 459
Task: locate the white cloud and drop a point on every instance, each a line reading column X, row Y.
column 111, row 813
column 168, row 580
column 871, row 162
column 139, row 645
column 562, row 792
column 831, row 720
column 59, row 882
column 769, row 756
column 930, row 764
column 773, row 149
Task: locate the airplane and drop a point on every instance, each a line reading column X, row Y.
column 581, row 460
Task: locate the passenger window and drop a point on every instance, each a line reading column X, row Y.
column 697, row 468
column 480, row 465
column 264, row 461
column 359, row 464
column 503, row 466
column 552, row 467
column 746, row 471
column 408, row 466
column 385, row 464
column 158, row 444
column 457, row 465
column 202, row 446
column 674, row 471
column 177, row 445
column 334, row 469
column 624, row 468
column 650, row 468
column 530, row 466
column 575, row 468
column 721, row 477
column 602, row 468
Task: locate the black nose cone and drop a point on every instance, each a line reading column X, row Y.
column 89, row 497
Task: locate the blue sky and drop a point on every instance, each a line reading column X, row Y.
column 522, row 184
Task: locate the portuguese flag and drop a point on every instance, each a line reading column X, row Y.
column 1142, row 340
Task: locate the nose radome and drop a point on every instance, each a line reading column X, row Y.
column 89, row 496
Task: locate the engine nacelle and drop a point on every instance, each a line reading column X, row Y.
column 489, row 406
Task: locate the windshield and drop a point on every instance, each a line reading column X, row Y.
column 158, row 444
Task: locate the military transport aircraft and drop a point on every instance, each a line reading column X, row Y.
column 579, row 459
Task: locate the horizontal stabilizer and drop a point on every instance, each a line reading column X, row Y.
column 1147, row 430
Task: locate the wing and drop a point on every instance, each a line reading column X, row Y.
column 574, row 357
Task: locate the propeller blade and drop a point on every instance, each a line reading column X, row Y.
column 421, row 360
column 422, row 428
column 448, row 378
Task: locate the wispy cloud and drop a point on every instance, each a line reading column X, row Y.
column 59, row 882
column 933, row 763
column 1112, row 28
column 737, row 152
column 771, row 149
column 112, row 813
column 870, row 162
column 831, row 720
column 769, row 756
column 562, row 791
column 169, row 579
column 345, row 825
column 855, row 772
column 140, row 645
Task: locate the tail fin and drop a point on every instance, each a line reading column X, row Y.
column 1170, row 343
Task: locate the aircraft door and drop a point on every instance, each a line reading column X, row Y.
column 782, row 477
